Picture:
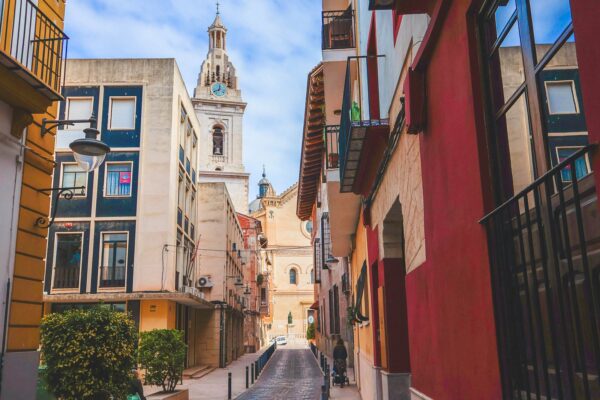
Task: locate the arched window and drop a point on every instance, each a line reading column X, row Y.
column 218, row 72
column 293, row 277
column 217, row 141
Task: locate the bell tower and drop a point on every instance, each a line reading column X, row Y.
column 220, row 109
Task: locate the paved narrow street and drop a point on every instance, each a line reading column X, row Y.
column 291, row 374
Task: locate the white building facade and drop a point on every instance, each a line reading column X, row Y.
column 220, row 109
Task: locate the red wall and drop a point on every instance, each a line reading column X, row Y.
column 453, row 352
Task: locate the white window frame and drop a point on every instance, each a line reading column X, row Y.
column 573, row 92
column 586, row 158
column 101, row 260
column 56, row 234
column 68, row 108
column 76, row 193
column 111, row 196
column 110, row 106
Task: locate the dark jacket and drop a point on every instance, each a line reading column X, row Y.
column 339, row 352
column 135, row 387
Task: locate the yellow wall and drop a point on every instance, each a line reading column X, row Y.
column 363, row 334
column 157, row 314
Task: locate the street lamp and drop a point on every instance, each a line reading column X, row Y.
column 89, row 152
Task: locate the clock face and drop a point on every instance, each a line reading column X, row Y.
column 218, row 89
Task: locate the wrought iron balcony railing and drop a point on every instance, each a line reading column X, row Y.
column 544, row 248
column 112, row 277
column 66, row 277
column 362, row 113
column 337, row 29
column 33, row 46
column 332, row 133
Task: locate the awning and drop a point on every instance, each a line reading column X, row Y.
column 315, row 305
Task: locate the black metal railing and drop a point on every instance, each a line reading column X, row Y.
column 66, row 277
column 36, row 43
column 112, row 277
column 544, row 248
column 332, row 133
column 337, row 29
column 360, row 111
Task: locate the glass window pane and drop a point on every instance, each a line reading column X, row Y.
column 549, row 18
column 581, row 164
column 561, row 98
column 79, row 108
column 514, row 147
column 122, row 113
column 506, row 65
column 503, row 14
column 118, row 180
column 67, row 261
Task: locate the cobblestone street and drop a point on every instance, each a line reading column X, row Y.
column 291, row 374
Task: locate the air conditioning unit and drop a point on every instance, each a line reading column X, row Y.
column 205, row 282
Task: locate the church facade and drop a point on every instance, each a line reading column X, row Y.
column 220, row 110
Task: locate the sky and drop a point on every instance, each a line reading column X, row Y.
column 272, row 43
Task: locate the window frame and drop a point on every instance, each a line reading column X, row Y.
column 110, row 111
column 588, row 165
column 295, row 271
column 76, row 193
column 54, row 257
column 212, row 136
column 104, row 191
column 571, row 83
column 101, row 261
column 68, row 109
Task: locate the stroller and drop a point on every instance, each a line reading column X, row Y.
column 339, row 373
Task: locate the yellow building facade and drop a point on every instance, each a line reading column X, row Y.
column 288, row 260
column 32, row 53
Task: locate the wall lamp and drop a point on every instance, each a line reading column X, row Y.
column 89, row 152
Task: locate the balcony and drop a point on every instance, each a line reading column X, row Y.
column 66, row 277
column 337, row 29
column 112, row 277
column 332, row 133
column 218, row 159
column 544, row 246
column 33, row 47
column 364, row 125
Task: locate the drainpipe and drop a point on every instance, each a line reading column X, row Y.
column 221, row 339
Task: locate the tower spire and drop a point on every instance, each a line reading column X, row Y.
column 218, row 7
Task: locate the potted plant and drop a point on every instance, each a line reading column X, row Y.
column 162, row 355
column 260, row 279
column 88, row 353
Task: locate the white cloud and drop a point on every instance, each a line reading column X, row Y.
column 272, row 43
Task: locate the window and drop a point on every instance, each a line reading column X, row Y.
column 67, row 261
column 217, row 141
column 581, row 164
column 311, row 278
column 79, row 108
column 293, row 277
column 263, row 296
column 122, row 113
column 114, row 260
column 561, row 97
column 118, row 180
column 73, row 176
column 75, row 108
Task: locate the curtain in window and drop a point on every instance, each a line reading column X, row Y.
column 581, row 168
column 118, row 180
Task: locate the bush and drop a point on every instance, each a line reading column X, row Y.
column 310, row 331
column 88, row 353
column 162, row 354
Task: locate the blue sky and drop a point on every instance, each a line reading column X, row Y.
column 272, row 43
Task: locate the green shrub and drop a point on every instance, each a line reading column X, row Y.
column 310, row 331
column 162, row 354
column 89, row 354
